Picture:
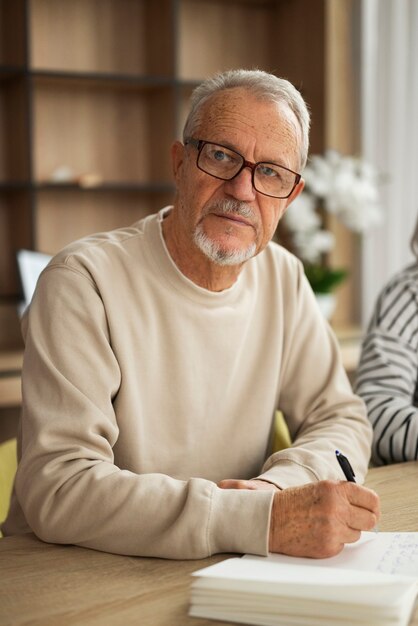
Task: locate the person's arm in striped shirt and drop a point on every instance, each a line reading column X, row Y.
column 388, row 370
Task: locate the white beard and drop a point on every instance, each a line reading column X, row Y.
column 213, row 250
column 216, row 253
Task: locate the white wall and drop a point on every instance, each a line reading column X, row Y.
column 390, row 134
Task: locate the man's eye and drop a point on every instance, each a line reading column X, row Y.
column 220, row 155
column 268, row 171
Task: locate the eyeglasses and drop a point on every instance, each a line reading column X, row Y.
column 221, row 162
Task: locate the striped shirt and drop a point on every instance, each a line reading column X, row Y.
column 388, row 370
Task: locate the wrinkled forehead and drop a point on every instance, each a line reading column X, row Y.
column 239, row 113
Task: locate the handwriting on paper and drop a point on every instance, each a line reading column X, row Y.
column 400, row 555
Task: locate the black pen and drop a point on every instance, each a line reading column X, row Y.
column 345, row 466
column 348, row 472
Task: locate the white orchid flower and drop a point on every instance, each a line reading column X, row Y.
column 344, row 186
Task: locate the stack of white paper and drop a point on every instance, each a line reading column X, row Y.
column 371, row 583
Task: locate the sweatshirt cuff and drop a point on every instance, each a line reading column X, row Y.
column 240, row 521
column 289, row 473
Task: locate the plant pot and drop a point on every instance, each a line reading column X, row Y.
column 326, row 303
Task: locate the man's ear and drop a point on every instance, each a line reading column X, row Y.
column 177, row 157
column 296, row 192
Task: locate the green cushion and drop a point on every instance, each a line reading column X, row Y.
column 8, row 465
column 282, row 437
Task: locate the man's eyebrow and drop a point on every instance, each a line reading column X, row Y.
column 224, row 144
column 227, row 144
column 279, row 162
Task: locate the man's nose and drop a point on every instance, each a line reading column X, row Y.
column 241, row 187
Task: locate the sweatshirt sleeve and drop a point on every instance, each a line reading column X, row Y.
column 67, row 483
column 322, row 413
column 387, row 375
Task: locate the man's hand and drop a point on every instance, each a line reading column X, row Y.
column 317, row 519
column 234, row 483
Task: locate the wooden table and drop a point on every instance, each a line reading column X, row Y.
column 49, row 585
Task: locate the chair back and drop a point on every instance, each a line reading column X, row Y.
column 8, row 466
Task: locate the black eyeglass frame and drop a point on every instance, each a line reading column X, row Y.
column 199, row 144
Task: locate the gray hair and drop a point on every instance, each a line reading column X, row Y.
column 265, row 87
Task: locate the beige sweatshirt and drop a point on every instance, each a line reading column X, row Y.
column 141, row 390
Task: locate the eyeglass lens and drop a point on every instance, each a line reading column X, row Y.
column 268, row 178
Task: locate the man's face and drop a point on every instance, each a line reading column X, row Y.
column 259, row 131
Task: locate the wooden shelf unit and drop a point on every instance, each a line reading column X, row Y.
column 101, row 88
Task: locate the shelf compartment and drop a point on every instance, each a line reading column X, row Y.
column 11, row 336
column 265, row 34
column 15, row 233
column 216, row 35
column 113, row 36
column 117, row 131
column 12, row 32
column 183, row 104
column 14, row 156
column 64, row 216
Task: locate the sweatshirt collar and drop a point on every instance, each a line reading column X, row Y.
column 177, row 279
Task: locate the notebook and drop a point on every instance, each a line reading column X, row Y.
column 373, row 582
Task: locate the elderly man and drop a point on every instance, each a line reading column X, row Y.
column 156, row 356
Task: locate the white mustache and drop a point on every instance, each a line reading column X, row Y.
column 231, row 207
